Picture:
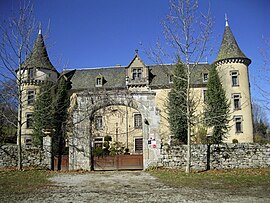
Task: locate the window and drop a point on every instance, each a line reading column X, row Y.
column 170, row 78
column 205, row 117
column 235, row 81
column 205, row 77
column 136, row 74
column 98, row 142
column 98, row 122
column 30, row 73
column 137, row 120
column 99, row 81
column 29, row 121
column 30, row 97
column 138, row 145
column 236, row 101
column 238, row 124
column 205, row 95
column 28, row 142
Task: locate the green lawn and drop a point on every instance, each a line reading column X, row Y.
column 20, row 182
column 241, row 181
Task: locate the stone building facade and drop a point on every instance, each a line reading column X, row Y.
column 128, row 103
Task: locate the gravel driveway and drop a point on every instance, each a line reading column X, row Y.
column 124, row 186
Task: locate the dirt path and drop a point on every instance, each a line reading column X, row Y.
column 119, row 186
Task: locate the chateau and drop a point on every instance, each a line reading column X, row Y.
column 128, row 104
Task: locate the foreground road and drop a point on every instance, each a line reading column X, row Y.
column 119, row 186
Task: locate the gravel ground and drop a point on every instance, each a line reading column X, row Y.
column 123, row 186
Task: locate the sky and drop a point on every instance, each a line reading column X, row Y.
column 101, row 33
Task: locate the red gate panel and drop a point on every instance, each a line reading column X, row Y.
column 119, row 162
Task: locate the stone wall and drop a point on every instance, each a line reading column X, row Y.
column 32, row 157
column 225, row 156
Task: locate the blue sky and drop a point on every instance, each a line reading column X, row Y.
column 93, row 33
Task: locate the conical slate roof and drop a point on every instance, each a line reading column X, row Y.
column 229, row 47
column 39, row 57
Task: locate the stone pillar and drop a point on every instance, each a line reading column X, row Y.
column 47, row 148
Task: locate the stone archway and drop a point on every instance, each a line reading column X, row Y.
column 87, row 103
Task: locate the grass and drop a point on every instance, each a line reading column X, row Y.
column 14, row 182
column 254, row 182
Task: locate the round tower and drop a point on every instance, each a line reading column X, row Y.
column 35, row 70
column 232, row 65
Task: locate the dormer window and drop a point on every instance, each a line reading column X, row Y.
column 170, row 78
column 205, row 77
column 99, row 81
column 136, row 73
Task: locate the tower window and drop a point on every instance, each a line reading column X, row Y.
column 205, row 77
column 137, row 120
column 98, row 122
column 235, row 79
column 30, row 97
column 136, row 74
column 238, row 124
column 29, row 120
column 31, row 73
column 236, row 101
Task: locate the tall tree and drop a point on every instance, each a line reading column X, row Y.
column 217, row 107
column 177, row 110
column 43, row 112
column 187, row 31
column 16, row 39
column 60, row 117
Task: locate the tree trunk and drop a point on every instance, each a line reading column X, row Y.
column 19, row 130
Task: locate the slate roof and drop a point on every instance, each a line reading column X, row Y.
column 86, row 78
column 39, row 57
column 229, row 47
column 161, row 74
column 115, row 77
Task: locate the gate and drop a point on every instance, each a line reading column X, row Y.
column 64, row 162
column 119, row 162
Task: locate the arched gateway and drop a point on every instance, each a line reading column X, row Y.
column 87, row 108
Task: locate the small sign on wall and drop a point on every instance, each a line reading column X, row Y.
column 153, row 143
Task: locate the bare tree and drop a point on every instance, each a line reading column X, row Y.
column 16, row 38
column 8, row 111
column 264, row 79
column 187, row 31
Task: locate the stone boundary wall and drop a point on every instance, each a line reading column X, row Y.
column 32, row 157
column 224, row 156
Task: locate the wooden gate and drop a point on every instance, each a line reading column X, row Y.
column 119, row 162
column 64, row 163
